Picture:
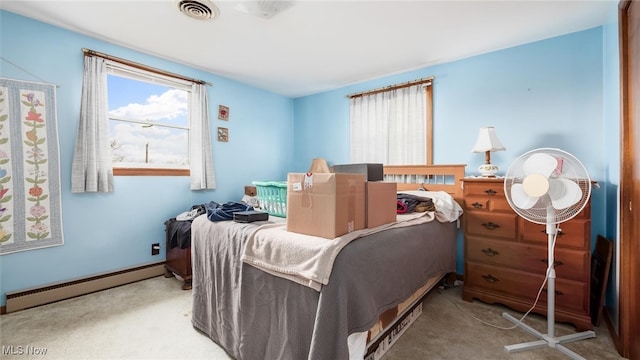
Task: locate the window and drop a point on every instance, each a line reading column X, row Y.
column 393, row 125
column 91, row 168
column 148, row 123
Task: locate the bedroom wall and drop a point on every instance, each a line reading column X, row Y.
column 542, row 94
column 107, row 232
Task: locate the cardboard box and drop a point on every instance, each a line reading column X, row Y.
column 325, row 204
column 380, row 203
column 372, row 172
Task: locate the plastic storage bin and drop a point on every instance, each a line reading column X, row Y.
column 273, row 197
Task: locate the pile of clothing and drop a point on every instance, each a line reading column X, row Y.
column 221, row 212
column 408, row 203
column 179, row 228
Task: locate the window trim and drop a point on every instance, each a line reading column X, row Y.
column 429, row 119
column 150, row 172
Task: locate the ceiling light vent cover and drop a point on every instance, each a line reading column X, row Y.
column 198, row 9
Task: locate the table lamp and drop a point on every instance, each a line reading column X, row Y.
column 319, row 165
column 486, row 143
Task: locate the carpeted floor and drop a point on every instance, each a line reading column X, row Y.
column 151, row 319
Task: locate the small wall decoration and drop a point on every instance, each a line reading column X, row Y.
column 223, row 112
column 223, row 134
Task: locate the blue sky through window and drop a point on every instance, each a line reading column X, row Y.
column 154, row 142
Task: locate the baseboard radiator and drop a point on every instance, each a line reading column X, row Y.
column 24, row 299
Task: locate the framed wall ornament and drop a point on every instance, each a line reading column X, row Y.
column 223, row 134
column 223, row 112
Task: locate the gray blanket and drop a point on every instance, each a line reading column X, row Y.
column 255, row 315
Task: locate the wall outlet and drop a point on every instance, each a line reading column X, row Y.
column 155, row 249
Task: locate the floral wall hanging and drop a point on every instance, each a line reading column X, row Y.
column 30, row 198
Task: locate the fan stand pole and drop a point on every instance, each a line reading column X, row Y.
column 548, row 339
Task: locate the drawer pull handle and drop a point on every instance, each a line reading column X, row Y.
column 560, row 233
column 490, row 226
column 555, row 263
column 477, row 205
column 490, row 278
column 490, row 252
column 490, row 192
column 557, row 291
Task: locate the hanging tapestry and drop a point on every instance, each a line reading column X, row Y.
column 30, row 201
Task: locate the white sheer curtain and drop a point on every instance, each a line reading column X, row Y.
column 200, row 150
column 369, row 123
column 389, row 127
column 91, row 169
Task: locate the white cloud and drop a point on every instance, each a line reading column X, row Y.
column 165, row 145
column 169, row 105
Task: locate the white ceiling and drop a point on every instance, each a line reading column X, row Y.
column 315, row 46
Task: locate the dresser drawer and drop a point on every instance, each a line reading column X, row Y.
column 570, row 264
column 484, row 188
column 487, row 203
column 570, row 295
column 491, row 224
column 572, row 234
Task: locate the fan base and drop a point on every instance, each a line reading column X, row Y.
column 546, row 340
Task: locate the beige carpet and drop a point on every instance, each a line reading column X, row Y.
column 151, row 319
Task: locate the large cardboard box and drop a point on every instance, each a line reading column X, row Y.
column 372, row 172
column 325, row 204
column 381, row 203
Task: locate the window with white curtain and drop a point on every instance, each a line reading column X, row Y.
column 392, row 126
column 136, row 120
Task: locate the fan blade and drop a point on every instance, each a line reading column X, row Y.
column 520, row 197
column 540, row 163
column 564, row 193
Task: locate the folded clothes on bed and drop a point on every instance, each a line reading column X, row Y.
column 408, row 203
column 221, row 212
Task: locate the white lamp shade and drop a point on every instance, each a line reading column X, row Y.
column 487, row 140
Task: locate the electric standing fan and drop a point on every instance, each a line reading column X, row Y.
column 547, row 186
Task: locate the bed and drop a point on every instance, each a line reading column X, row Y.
column 375, row 279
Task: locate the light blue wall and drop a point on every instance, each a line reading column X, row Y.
column 543, row 94
column 107, row 232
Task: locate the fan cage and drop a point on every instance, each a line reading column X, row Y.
column 543, row 212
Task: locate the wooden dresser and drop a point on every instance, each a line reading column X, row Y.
column 505, row 256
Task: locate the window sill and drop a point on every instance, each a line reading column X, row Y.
column 150, row 172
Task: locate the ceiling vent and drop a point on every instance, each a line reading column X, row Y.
column 198, row 9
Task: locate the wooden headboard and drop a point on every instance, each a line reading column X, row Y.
column 429, row 177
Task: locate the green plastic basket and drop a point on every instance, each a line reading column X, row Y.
column 272, row 196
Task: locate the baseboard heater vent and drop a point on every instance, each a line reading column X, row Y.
column 24, row 299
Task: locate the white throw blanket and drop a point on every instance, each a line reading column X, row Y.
column 308, row 260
